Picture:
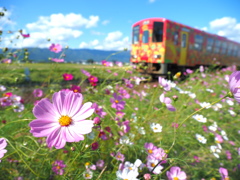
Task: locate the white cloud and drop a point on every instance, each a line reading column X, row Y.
column 113, row 41
column 105, row 22
column 5, row 20
column 113, row 36
column 226, row 26
column 60, row 20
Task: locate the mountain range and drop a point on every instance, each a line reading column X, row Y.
column 71, row 55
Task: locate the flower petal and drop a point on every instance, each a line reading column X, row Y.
column 56, row 139
column 85, row 112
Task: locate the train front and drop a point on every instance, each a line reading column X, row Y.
column 148, row 46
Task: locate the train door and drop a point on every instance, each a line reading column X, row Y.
column 184, row 45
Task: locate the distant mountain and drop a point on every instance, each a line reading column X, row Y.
column 73, row 55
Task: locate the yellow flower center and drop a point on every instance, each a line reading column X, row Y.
column 150, row 151
column 87, row 164
column 75, row 90
column 152, row 165
column 87, row 175
column 55, row 49
column 116, row 101
column 65, row 121
column 175, row 178
column 58, row 167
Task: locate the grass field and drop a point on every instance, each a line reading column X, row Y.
column 158, row 129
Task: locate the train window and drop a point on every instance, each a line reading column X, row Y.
column 210, row 42
column 198, row 39
column 135, row 36
column 175, row 38
column 230, row 47
column 184, row 40
column 235, row 50
column 157, row 32
column 217, row 46
column 224, row 48
column 145, row 37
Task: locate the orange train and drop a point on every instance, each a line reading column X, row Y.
column 160, row 45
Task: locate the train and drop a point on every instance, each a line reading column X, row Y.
column 160, row 46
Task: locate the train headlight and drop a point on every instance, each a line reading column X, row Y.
column 156, row 56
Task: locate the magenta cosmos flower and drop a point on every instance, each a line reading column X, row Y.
column 55, row 48
column 234, row 85
column 176, row 173
column 67, row 77
column 3, row 144
column 57, row 60
column 63, row 120
column 37, row 93
column 58, row 167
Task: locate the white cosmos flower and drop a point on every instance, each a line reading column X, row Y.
column 213, row 127
column 216, row 150
column 205, row 104
column 201, row 139
column 232, row 112
column 210, row 90
column 129, row 171
column 156, row 127
column 199, row 118
column 217, row 106
column 230, row 102
column 192, row 95
column 224, row 135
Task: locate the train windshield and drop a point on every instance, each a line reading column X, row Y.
column 157, row 32
column 135, row 36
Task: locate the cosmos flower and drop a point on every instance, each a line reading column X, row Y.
column 164, row 83
column 199, row 118
column 6, row 61
column 151, row 163
column 167, row 101
column 156, row 127
column 117, row 103
column 67, row 77
column 63, row 120
column 224, row 173
column 176, row 173
column 88, row 174
column 234, row 85
column 58, row 167
column 25, row 35
column 76, row 89
column 57, row 60
column 201, row 138
column 93, row 80
column 3, row 144
column 55, row 48
column 86, row 73
column 37, row 93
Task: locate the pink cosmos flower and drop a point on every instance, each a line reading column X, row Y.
column 57, row 60
column 86, row 73
column 93, row 80
column 117, row 103
column 58, row 167
column 3, row 144
column 25, row 35
column 100, row 164
column 176, row 173
column 147, row 176
column 189, row 71
column 6, row 61
column 37, row 93
column 55, row 48
column 224, row 173
column 167, row 101
column 234, row 85
column 63, row 120
column 67, row 77
column 105, row 63
column 163, row 82
column 95, row 146
column 76, row 89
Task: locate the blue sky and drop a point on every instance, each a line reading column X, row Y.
column 106, row 24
